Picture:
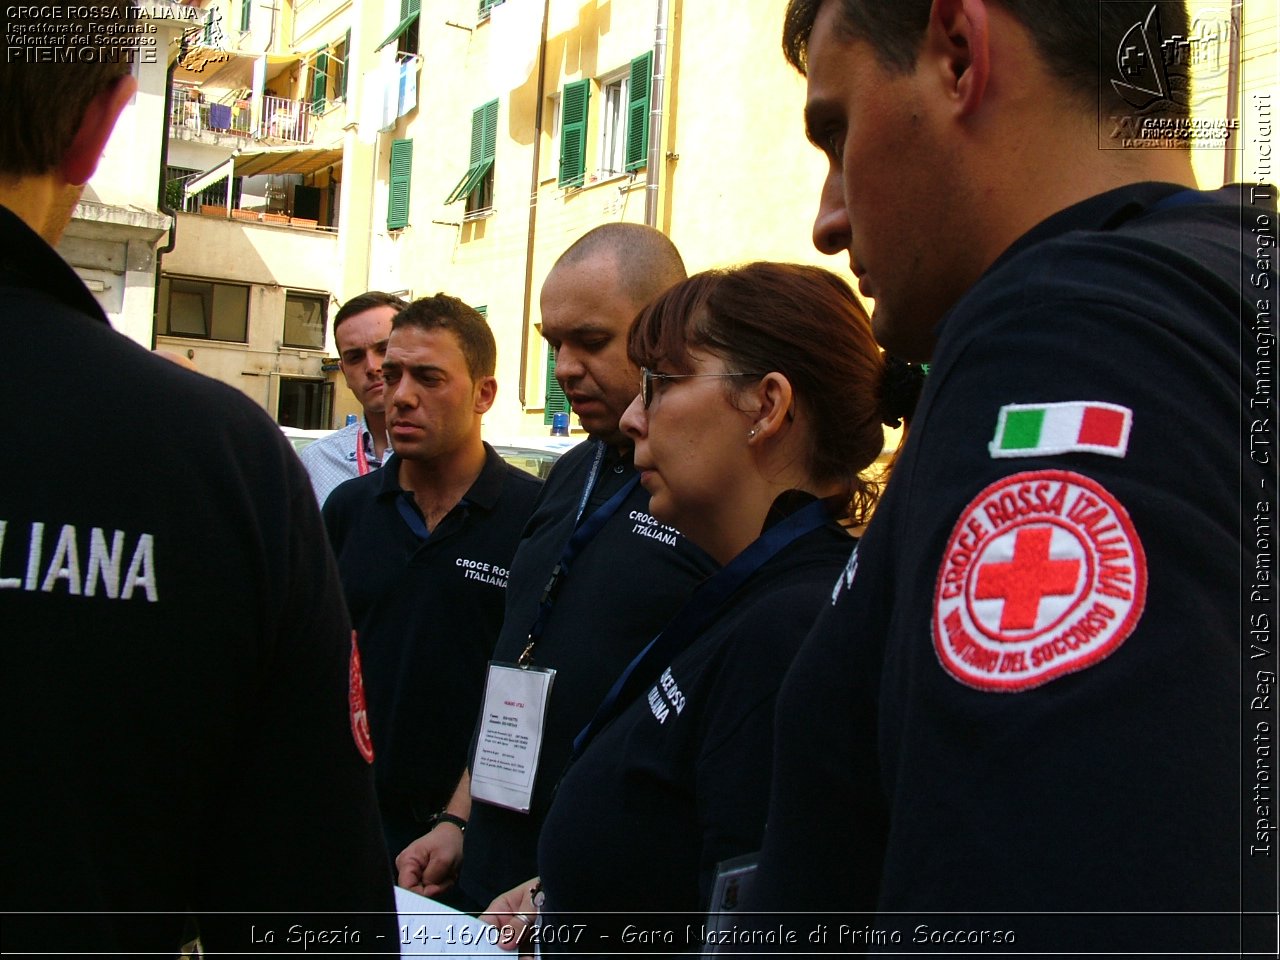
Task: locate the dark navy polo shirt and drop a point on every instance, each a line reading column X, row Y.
column 623, row 588
column 679, row 781
column 427, row 613
column 176, row 651
column 1119, row 782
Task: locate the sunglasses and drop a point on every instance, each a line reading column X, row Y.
column 647, row 377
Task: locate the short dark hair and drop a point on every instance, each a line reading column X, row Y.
column 801, row 321
column 366, row 301
column 648, row 262
column 443, row 312
column 1069, row 34
column 45, row 99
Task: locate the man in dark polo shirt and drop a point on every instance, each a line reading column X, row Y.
column 424, row 547
column 623, row 583
column 1026, row 718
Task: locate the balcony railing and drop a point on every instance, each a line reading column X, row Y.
column 288, row 120
column 284, row 120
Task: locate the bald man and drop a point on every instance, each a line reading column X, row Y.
column 591, row 522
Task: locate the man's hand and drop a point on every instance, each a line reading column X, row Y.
column 429, row 865
column 513, row 913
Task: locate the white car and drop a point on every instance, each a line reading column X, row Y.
column 301, row 438
column 534, row 455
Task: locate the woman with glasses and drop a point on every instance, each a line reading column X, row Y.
column 761, row 405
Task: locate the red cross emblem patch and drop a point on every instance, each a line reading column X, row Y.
column 1044, row 575
column 356, row 703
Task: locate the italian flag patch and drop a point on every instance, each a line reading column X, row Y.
column 1039, row 429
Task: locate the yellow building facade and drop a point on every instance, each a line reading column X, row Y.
column 462, row 145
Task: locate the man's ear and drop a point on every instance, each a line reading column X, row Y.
column 957, row 47
column 90, row 139
column 486, row 390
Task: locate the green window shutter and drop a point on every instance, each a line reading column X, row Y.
column 484, row 144
column 483, row 310
column 346, row 59
column 409, row 10
column 573, row 133
column 319, row 82
column 401, row 173
column 490, row 144
column 638, row 111
column 555, row 400
column 246, row 12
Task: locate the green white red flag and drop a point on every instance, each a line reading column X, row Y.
column 1041, row 429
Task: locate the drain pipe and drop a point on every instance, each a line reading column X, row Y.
column 655, row 115
column 533, row 210
column 162, row 202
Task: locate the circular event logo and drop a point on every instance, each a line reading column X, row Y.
column 1043, row 576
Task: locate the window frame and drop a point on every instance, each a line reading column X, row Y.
column 613, row 122
column 476, row 185
column 168, row 282
column 482, row 11
column 313, row 296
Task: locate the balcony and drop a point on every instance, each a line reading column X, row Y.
column 280, row 120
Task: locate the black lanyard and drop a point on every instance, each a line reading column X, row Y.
column 699, row 611
column 583, row 534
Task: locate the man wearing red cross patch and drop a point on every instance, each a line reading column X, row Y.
column 1029, row 715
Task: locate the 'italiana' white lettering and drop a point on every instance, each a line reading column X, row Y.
column 62, row 567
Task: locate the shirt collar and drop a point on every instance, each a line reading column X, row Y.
column 1106, row 211
column 27, row 260
column 483, row 493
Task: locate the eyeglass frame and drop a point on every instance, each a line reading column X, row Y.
column 647, row 377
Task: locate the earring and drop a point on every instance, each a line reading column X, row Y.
column 751, row 433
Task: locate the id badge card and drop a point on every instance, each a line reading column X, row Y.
column 733, row 879
column 512, row 719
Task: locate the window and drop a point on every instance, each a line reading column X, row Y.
column 555, row 400
column 405, row 35
column 204, row 308
column 573, row 133
column 303, row 403
column 304, row 320
column 613, row 124
column 487, row 5
column 246, row 13
column 638, row 84
column 401, row 174
column 476, row 185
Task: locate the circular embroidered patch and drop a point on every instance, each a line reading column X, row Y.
column 1043, row 575
column 359, row 712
